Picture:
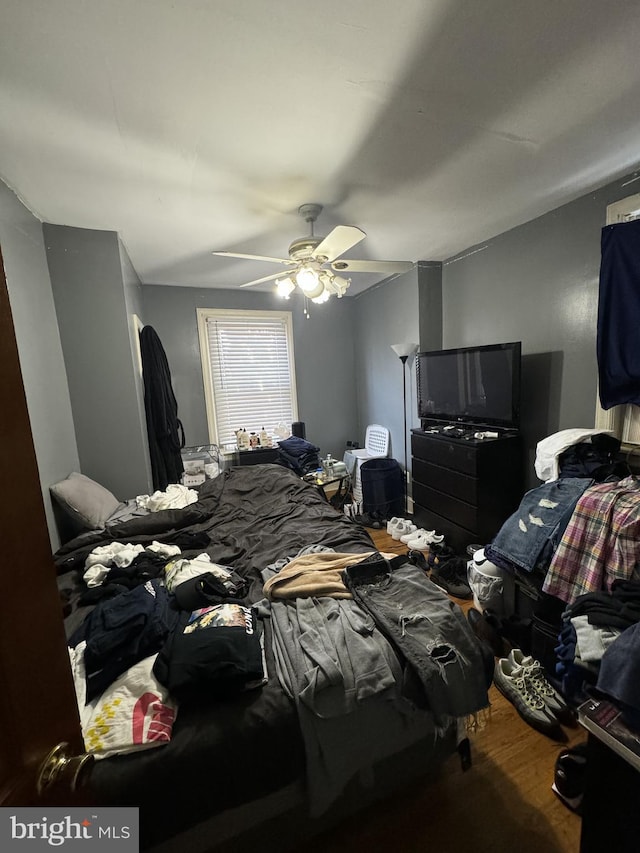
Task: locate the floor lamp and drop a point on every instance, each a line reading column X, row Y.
column 403, row 351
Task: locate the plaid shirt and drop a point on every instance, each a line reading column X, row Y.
column 601, row 541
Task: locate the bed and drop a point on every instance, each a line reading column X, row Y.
column 237, row 757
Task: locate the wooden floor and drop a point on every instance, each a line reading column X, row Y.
column 503, row 803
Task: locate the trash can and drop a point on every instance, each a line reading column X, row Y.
column 487, row 583
column 382, row 487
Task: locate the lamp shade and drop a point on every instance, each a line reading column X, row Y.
column 404, row 350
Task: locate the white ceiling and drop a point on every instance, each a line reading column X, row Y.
column 190, row 126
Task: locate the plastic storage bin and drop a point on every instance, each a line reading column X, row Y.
column 200, row 463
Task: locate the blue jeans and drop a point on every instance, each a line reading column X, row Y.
column 533, row 532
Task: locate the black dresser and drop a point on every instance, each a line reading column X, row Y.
column 255, row 456
column 465, row 488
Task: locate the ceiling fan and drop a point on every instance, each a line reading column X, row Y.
column 314, row 263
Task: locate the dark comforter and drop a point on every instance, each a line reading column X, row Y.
column 223, row 752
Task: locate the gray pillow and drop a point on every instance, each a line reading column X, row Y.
column 86, row 501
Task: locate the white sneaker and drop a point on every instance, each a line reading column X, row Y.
column 396, row 524
column 424, row 540
column 410, row 529
column 402, row 529
column 413, row 534
column 393, row 522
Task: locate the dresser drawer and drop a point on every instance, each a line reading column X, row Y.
column 446, row 480
column 458, row 455
column 464, row 514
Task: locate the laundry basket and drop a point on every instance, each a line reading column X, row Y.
column 376, row 446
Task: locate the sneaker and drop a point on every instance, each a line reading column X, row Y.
column 418, row 559
column 439, row 553
column 423, row 541
column 413, row 534
column 537, row 680
column 392, row 523
column 402, row 529
column 451, row 576
column 511, row 682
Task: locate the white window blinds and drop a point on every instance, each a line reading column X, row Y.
column 249, row 372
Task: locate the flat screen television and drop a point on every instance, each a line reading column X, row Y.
column 470, row 385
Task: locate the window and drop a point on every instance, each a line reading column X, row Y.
column 248, row 371
column 623, row 420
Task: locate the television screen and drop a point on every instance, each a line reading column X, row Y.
column 475, row 385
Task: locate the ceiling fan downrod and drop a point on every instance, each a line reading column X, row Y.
column 310, row 212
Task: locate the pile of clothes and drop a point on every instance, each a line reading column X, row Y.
column 299, row 455
column 599, row 646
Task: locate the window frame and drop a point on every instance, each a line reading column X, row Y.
column 203, row 314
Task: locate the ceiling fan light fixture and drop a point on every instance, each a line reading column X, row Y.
column 324, row 297
column 307, row 279
column 285, row 287
column 341, row 284
column 309, row 255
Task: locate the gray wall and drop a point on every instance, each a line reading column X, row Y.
column 323, row 347
column 538, row 283
column 384, row 315
column 86, row 273
column 430, row 296
column 135, row 321
column 39, row 347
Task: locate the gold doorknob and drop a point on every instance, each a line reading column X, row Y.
column 58, row 765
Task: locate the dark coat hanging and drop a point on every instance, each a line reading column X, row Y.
column 164, row 429
column 619, row 315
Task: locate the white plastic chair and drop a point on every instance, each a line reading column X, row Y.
column 376, row 446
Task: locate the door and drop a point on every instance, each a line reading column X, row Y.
column 38, row 707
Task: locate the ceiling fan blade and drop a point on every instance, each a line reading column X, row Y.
column 338, row 241
column 282, row 274
column 387, row 267
column 253, row 257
